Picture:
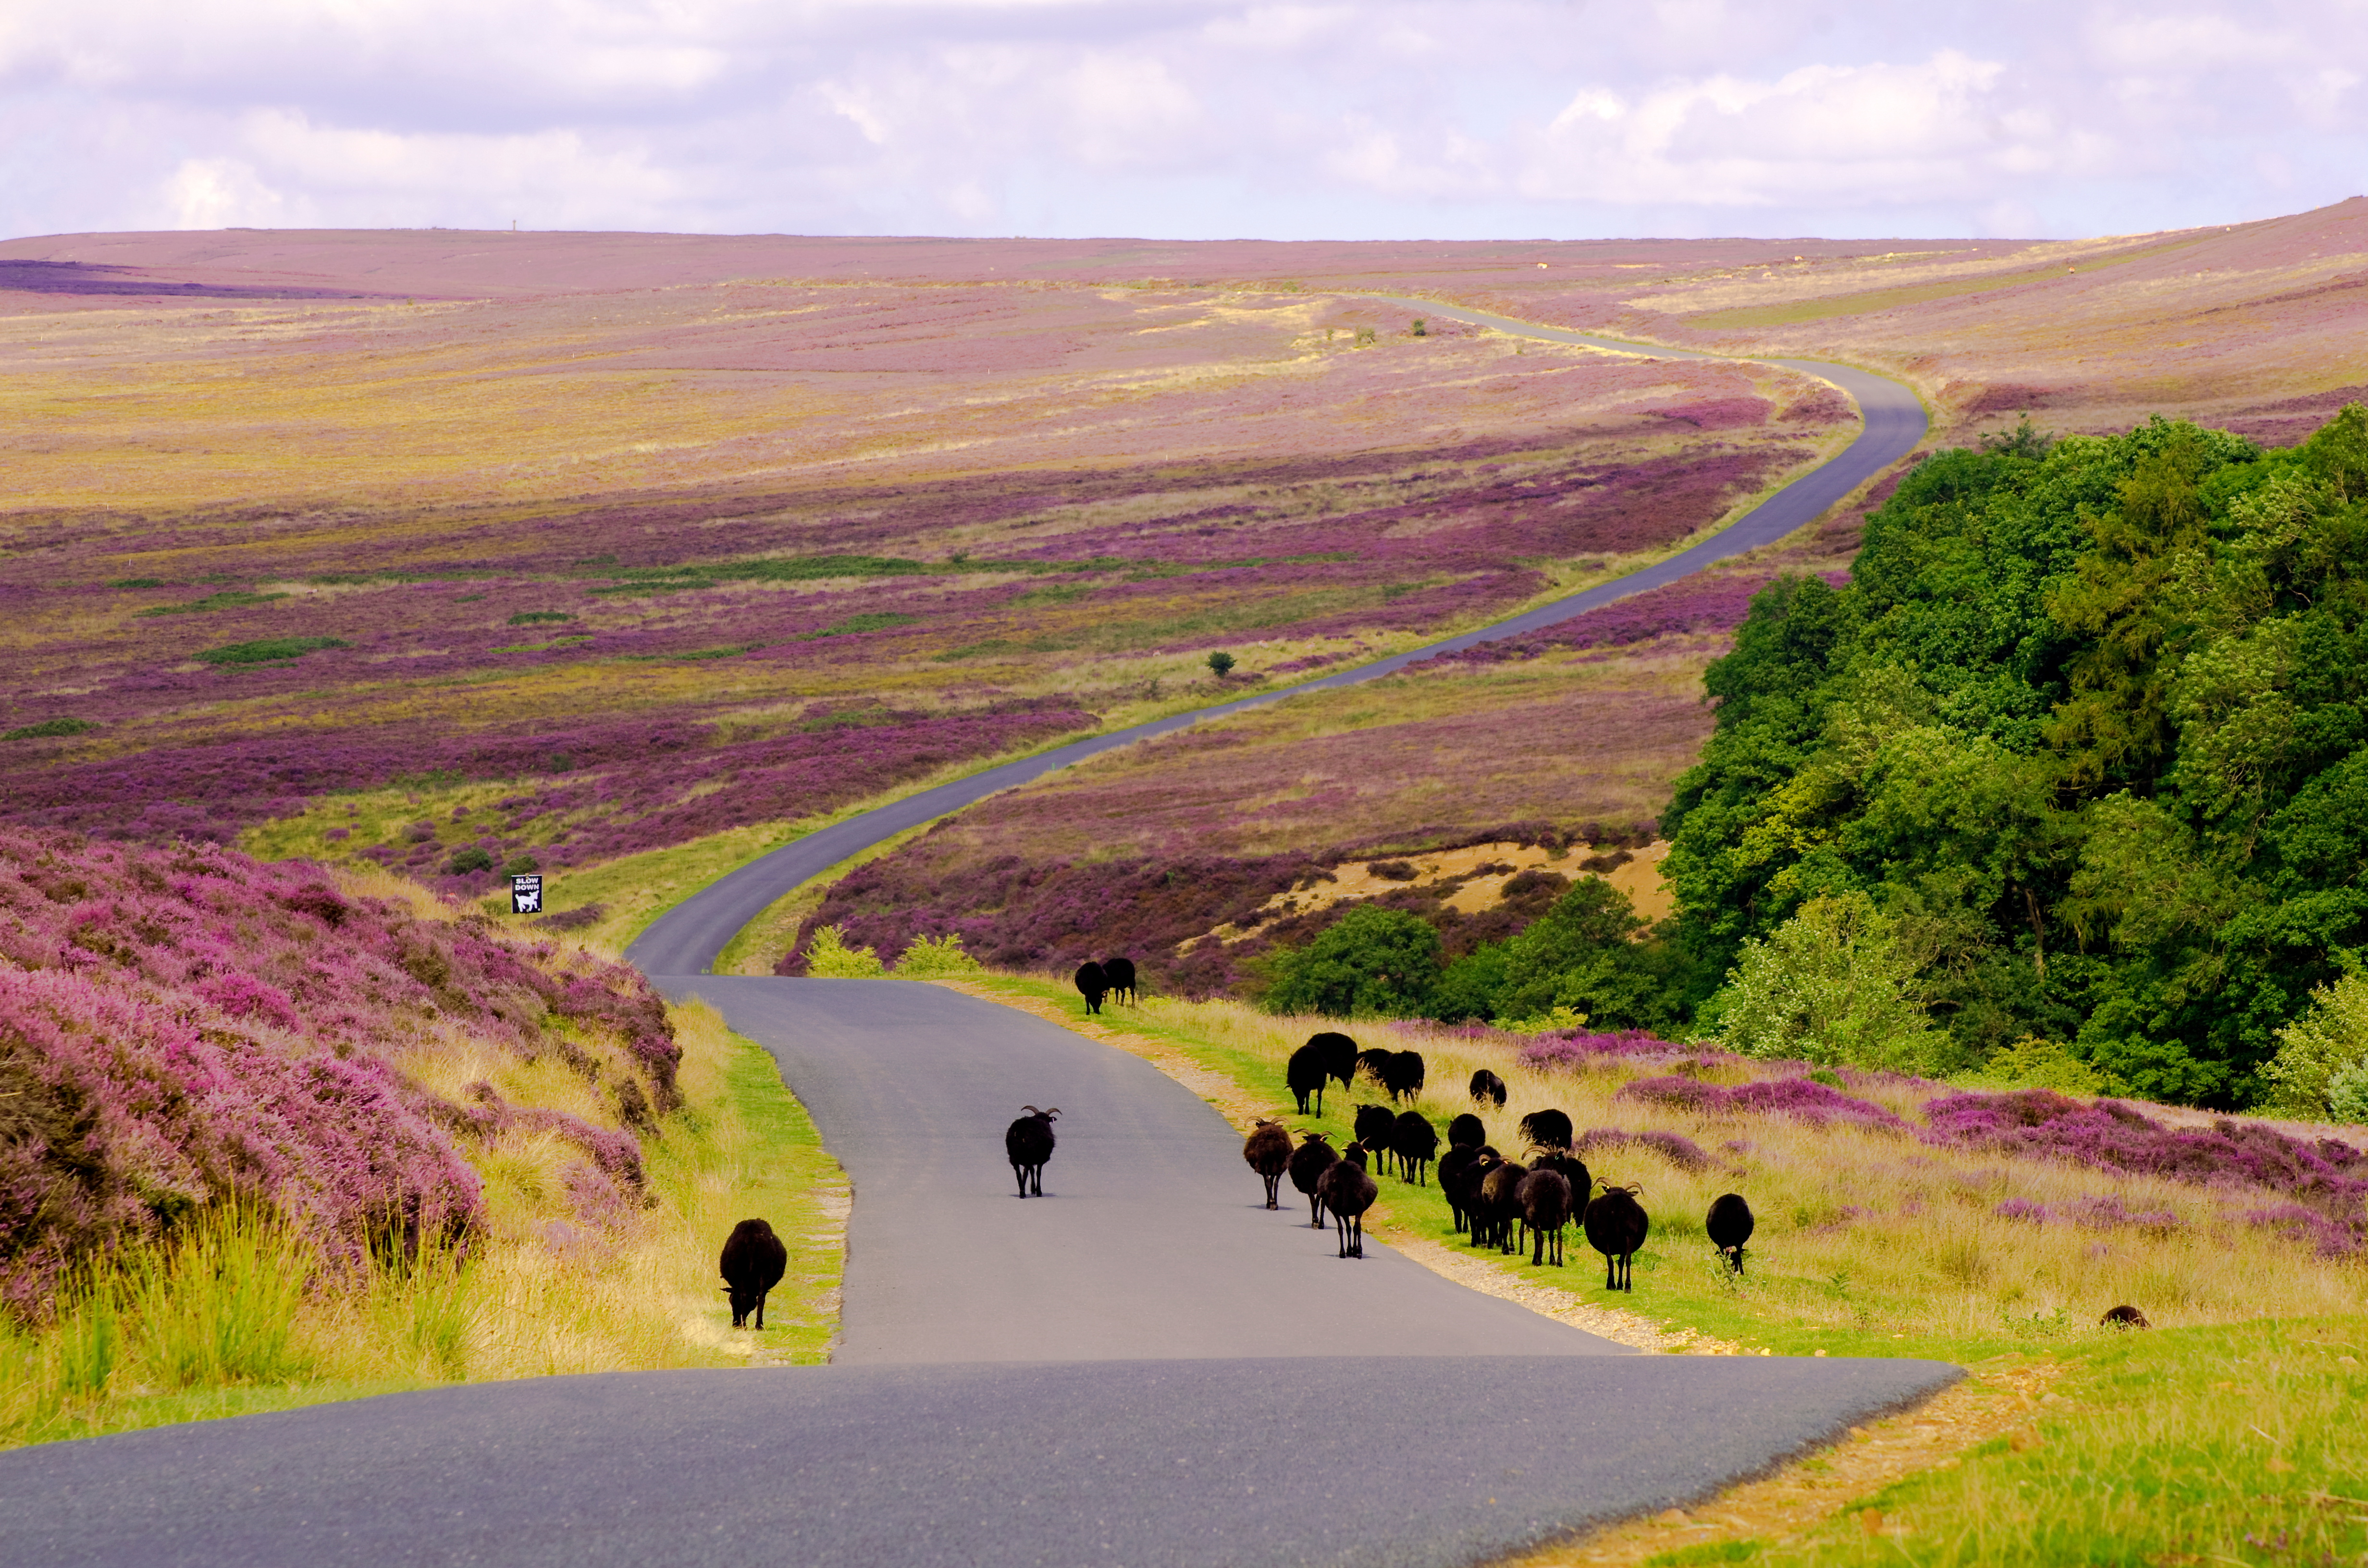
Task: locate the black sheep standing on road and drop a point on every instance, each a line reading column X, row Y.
column 1348, row 1192
column 1487, row 1088
column 1415, row 1142
column 1729, row 1226
column 1616, row 1225
column 1268, row 1152
column 754, row 1261
column 1304, row 1074
column 1338, row 1053
column 1028, row 1142
column 1119, row 975
column 1308, row 1163
column 1092, row 984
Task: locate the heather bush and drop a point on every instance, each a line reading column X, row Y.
column 1675, row 1148
column 829, row 958
column 1801, row 1099
column 2323, row 1055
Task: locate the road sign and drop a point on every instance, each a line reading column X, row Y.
column 526, row 894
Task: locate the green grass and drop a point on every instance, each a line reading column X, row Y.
column 269, row 651
column 48, row 728
column 225, row 600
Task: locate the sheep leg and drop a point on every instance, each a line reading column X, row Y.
column 1022, row 1172
column 760, row 1312
column 1611, row 1277
column 1356, row 1235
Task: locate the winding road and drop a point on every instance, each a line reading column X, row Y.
column 1145, row 1366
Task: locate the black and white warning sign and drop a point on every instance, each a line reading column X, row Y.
column 526, row 894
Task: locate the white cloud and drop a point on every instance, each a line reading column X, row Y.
column 1291, row 117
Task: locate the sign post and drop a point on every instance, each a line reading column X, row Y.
column 526, row 894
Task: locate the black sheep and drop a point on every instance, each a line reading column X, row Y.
column 1572, row 1169
column 2121, row 1317
column 1500, row 1207
column 1374, row 1126
column 1466, row 1132
column 1616, row 1224
column 1119, row 975
column 1308, row 1163
column 1729, row 1226
column 754, row 1261
column 1415, row 1142
column 1546, row 1129
column 1461, row 1171
column 1371, row 1063
column 1092, row 984
column 1338, row 1052
column 1544, row 1197
column 1268, row 1152
column 1304, row 1074
column 1486, row 1088
column 1402, row 1074
column 1348, row 1192
column 1028, row 1142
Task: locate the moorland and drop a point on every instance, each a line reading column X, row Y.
column 1875, row 869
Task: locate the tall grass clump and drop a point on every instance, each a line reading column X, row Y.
column 222, row 1303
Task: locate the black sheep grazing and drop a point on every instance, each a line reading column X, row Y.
column 1615, row 1225
column 1466, row 1132
column 1544, row 1197
column 1546, row 1129
column 753, row 1263
column 1028, row 1142
column 1304, row 1074
column 1338, row 1052
column 1454, row 1174
column 1308, row 1163
column 1487, row 1088
column 1375, row 1124
column 2118, row 1317
column 1371, row 1062
column 1268, row 1152
column 1119, row 975
column 1348, row 1192
column 1500, row 1207
column 1402, row 1074
column 1092, row 984
column 1729, row 1226
column 1415, row 1142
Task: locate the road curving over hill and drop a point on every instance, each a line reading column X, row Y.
column 1143, row 1367
column 688, row 937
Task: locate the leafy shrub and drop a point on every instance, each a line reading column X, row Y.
column 2324, row 1048
column 1832, row 985
column 46, row 728
column 473, row 858
column 269, row 651
column 1372, row 963
column 1221, row 664
column 829, row 958
column 929, row 955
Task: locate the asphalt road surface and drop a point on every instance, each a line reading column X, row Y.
column 688, row 937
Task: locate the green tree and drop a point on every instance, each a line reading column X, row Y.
column 1372, row 963
column 1833, row 984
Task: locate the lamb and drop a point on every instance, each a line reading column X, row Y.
column 1500, row 1207
column 1268, row 1152
column 1460, row 1172
column 2118, row 1317
column 1729, row 1226
column 754, row 1261
column 1544, row 1197
column 1415, row 1142
column 1466, row 1132
column 1092, row 984
column 1119, row 975
column 1615, row 1225
column 1028, row 1142
column 1487, row 1087
column 1339, row 1054
column 1304, row 1074
column 1546, row 1129
column 1308, row 1163
column 1348, row 1192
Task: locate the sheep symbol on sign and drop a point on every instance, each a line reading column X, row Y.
column 526, row 895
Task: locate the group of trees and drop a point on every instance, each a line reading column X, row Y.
column 2079, row 756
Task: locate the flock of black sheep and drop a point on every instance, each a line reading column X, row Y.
column 1497, row 1202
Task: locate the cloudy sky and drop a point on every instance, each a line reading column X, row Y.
column 1184, row 119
